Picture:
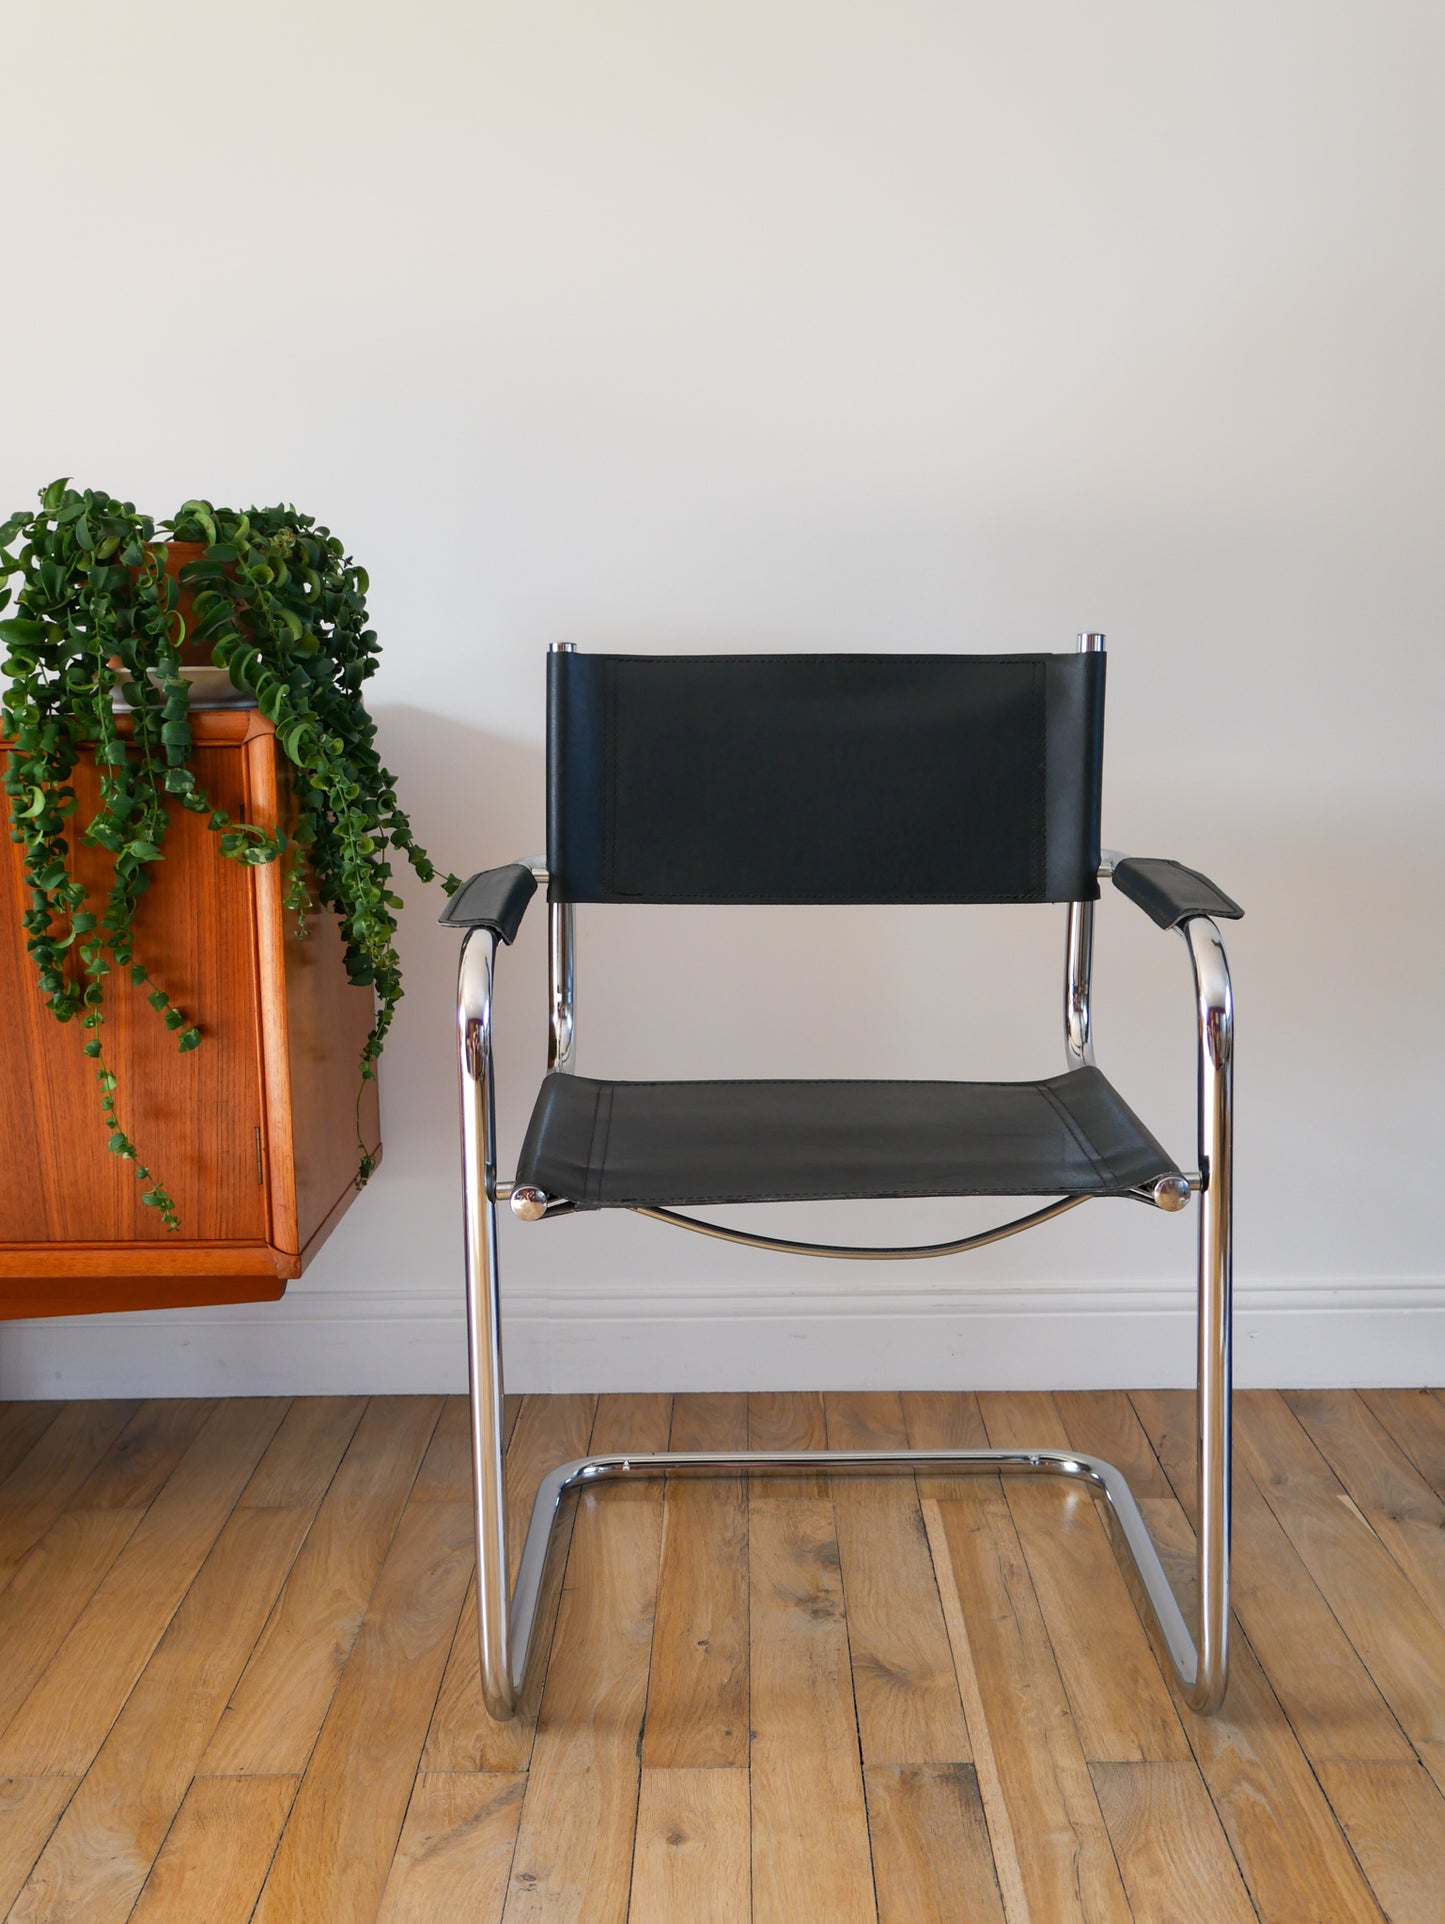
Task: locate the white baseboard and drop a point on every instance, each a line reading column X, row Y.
column 1377, row 1331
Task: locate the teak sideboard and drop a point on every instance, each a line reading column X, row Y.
column 254, row 1132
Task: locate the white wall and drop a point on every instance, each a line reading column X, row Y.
column 807, row 325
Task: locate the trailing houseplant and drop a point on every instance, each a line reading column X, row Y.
column 271, row 597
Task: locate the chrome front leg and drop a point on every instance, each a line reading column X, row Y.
column 1216, row 1163
column 484, row 1327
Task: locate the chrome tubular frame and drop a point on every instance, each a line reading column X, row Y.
column 505, row 1625
column 862, row 1253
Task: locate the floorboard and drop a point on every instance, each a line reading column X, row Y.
column 238, row 1674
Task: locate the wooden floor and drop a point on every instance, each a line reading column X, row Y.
column 238, row 1677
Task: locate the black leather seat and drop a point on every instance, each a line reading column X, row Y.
column 624, row 1145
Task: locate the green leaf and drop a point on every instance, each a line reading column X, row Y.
column 21, row 631
column 173, row 1018
column 191, row 1039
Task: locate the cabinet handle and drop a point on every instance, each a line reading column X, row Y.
column 260, row 1164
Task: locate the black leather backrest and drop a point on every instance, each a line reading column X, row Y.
column 824, row 778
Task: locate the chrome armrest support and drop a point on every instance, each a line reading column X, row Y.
column 1078, row 973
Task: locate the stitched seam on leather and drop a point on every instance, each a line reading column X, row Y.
column 1029, row 898
column 588, row 1183
column 687, row 661
column 812, row 1082
column 1100, row 1166
column 598, row 1153
column 609, row 776
column 1039, row 824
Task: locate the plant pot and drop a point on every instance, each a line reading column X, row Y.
column 211, row 687
column 178, row 555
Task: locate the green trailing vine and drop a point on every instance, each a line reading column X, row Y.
column 279, row 605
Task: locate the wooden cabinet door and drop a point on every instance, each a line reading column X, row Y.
column 194, row 1118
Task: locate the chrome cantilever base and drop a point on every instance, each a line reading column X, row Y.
column 506, row 1624
column 504, row 1679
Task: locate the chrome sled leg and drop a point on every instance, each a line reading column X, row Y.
column 1199, row 1662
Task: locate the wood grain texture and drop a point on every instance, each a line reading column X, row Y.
column 50, row 1590
column 102, row 1849
column 549, row 1430
column 943, row 1420
column 904, row 1691
column 455, row 1852
column 335, row 1856
column 692, row 1849
column 217, row 1851
column 134, row 1469
column 1173, row 1856
column 1065, row 1864
column 573, row 1861
column 51, row 1471
column 931, row 1853
column 194, row 934
column 697, row 1701
column 63, row 1722
column 278, row 1707
column 1415, row 1420
column 445, row 1475
column 30, row 1808
column 1005, row 1845
column 1398, row 1503
column 1105, row 1423
column 313, row 1024
column 1400, row 1642
column 1122, row 1706
column 130, row 1621
column 296, row 1471
column 276, row 1076
column 21, row 1427
column 1395, row 1818
column 788, row 1420
column 809, row 1826
column 1285, row 1838
column 1330, row 1699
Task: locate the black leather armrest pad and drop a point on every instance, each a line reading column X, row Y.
column 1169, row 893
column 496, row 899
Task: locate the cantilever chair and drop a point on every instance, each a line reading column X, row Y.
column 867, row 779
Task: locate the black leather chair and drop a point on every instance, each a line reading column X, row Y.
column 867, row 779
